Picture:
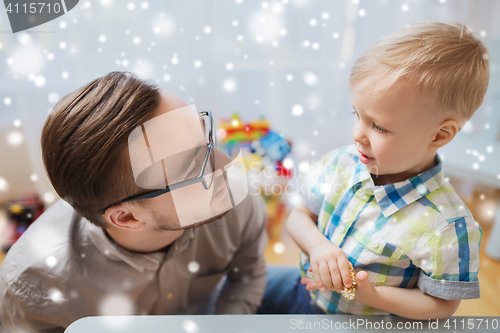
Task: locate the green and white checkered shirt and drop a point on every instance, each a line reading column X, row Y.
column 414, row 233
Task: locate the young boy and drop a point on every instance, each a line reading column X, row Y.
column 383, row 204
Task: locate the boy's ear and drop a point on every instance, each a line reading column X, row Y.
column 446, row 132
column 122, row 217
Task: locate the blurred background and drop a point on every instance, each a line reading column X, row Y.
column 274, row 74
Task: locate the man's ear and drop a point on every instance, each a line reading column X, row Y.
column 446, row 132
column 122, row 217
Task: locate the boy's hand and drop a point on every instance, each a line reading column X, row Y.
column 330, row 267
column 365, row 291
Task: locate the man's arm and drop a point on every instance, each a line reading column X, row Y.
column 246, row 280
column 16, row 301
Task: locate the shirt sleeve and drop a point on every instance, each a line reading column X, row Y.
column 449, row 261
column 246, row 280
column 14, row 301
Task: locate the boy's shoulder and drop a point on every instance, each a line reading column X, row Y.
column 448, row 203
column 345, row 158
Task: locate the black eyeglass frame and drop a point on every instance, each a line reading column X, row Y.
column 199, row 178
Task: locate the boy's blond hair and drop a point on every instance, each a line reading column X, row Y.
column 447, row 63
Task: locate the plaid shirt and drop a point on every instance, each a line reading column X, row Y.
column 414, row 233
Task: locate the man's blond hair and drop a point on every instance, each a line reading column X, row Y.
column 447, row 63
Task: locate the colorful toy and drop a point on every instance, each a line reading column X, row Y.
column 350, row 292
column 21, row 213
column 273, row 145
column 261, row 148
column 234, row 130
column 260, row 145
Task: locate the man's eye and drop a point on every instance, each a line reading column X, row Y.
column 196, row 170
column 356, row 113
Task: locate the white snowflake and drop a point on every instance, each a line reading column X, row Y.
column 297, row 110
column 51, row 261
column 193, row 267
column 56, row 296
column 229, row 85
column 4, row 185
column 279, row 248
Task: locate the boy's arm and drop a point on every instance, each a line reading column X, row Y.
column 302, row 227
column 329, row 264
column 408, row 303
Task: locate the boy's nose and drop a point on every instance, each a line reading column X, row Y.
column 358, row 135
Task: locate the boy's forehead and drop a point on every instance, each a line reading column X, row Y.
column 389, row 107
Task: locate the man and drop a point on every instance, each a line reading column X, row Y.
column 117, row 244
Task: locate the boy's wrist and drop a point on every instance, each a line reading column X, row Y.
column 371, row 298
column 320, row 240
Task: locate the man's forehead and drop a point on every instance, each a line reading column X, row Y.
column 165, row 135
column 174, row 131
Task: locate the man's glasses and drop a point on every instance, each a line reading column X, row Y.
column 202, row 172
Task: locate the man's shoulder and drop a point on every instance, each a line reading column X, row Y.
column 45, row 241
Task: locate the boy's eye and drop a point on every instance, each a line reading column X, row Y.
column 378, row 129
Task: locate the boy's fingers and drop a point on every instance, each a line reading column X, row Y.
column 317, row 277
column 334, row 273
column 345, row 272
column 311, row 286
column 362, row 278
column 325, row 275
column 307, row 280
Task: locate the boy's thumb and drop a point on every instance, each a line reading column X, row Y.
column 362, row 278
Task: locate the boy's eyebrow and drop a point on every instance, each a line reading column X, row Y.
column 378, row 123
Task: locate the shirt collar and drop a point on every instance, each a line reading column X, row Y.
column 393, row 197
column 139, row 261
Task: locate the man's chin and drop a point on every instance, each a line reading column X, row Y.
column 194, row 225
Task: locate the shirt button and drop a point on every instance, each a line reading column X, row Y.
column 375, row 244
column 170, row 295
column 341, row 229
column 362, row 195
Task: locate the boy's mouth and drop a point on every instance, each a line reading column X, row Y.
column 365, row 159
